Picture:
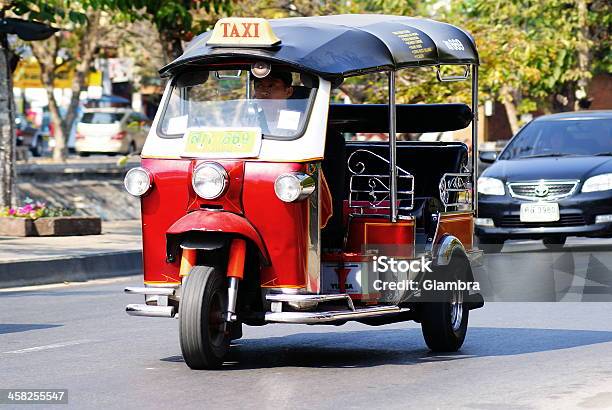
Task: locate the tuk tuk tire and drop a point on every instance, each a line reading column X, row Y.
column 437, row 318
column 204, row 342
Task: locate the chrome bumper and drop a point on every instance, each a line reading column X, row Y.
column 156, row 301
column 350, row 313
column 150, row 310
column 331, row 316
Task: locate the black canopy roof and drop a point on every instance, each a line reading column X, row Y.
column 409, row 117
column 346, row 45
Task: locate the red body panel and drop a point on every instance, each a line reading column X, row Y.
column 279, row 229
column 460, row 225
column 282, row 226
column 218, row 221
column 393, row 239
column 231, row 199
column 166, row 203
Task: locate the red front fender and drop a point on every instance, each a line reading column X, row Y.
column 219, row 221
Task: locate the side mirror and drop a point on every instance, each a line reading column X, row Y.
column 487, row 157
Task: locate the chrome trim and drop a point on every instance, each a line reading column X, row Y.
column 450, row 78
column 379, row 185
column 331, row 316
column 150, row 311
column 393, row 150
column 546, row 182
column 311, row 298
column 445, row 248
column 455, row 182
column 313, row 260
column 456, row 309
column 159, row 291
column 232, row 299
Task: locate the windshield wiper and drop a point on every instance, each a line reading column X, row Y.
column 603, row 154
column 550, row 154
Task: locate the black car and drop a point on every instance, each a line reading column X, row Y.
column 553, row 180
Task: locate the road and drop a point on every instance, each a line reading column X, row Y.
column 516, row 355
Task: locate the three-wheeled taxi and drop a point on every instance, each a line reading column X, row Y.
column 257, row 208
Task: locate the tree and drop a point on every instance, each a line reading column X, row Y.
column 176, row 21
column 81, row 42
column 536, row 55
column 8, row 60
column 7, row 121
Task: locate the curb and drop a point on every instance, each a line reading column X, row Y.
column 70, row 269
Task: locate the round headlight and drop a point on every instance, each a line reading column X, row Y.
column 294, row 187
column 138, row 181
column 209, row 180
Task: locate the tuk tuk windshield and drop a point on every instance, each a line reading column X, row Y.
column 279, row 104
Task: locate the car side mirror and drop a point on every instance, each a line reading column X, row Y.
column 487, row 157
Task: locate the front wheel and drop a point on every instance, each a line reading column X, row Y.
column 444, row 323
column 202, row 332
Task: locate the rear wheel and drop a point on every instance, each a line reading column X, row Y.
column 555, row 243
column 204, row 341
column 444, row 323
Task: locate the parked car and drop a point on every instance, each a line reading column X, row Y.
column 28, row 136
column 111, row 131
column 553, row 180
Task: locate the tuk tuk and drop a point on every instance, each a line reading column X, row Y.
column 256, row 209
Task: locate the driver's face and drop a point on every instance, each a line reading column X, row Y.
column 272, row 89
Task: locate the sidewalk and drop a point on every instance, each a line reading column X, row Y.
column 43, row 260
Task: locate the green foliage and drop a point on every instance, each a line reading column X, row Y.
column 533, row 48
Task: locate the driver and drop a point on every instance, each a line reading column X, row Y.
column 275, row 86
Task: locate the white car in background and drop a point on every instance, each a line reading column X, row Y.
column 111, row 131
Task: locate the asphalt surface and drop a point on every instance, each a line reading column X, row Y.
column 517, row 355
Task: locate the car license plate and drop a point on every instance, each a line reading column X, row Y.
column 222, row 142
column 540, row 212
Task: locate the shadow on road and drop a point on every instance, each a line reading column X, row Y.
column 371, row 348
column 23, row 327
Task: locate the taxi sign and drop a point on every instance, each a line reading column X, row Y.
column 221, row 142
column 243, row 32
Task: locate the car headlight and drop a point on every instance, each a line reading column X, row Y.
column 138, row 181
column 209, row 180
column 601, row 182
column 490, row 186
column 294, row 186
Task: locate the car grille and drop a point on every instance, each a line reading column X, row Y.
column 514, row 221
column 542, row 190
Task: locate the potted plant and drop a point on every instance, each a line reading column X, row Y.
column 38, row 219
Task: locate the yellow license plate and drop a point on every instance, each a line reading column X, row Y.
column 222, row 142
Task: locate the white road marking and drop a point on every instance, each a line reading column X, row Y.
column 47, row 347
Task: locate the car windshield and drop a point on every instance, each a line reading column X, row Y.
column 235, row 99
column 101, row 117
column 557, row 138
